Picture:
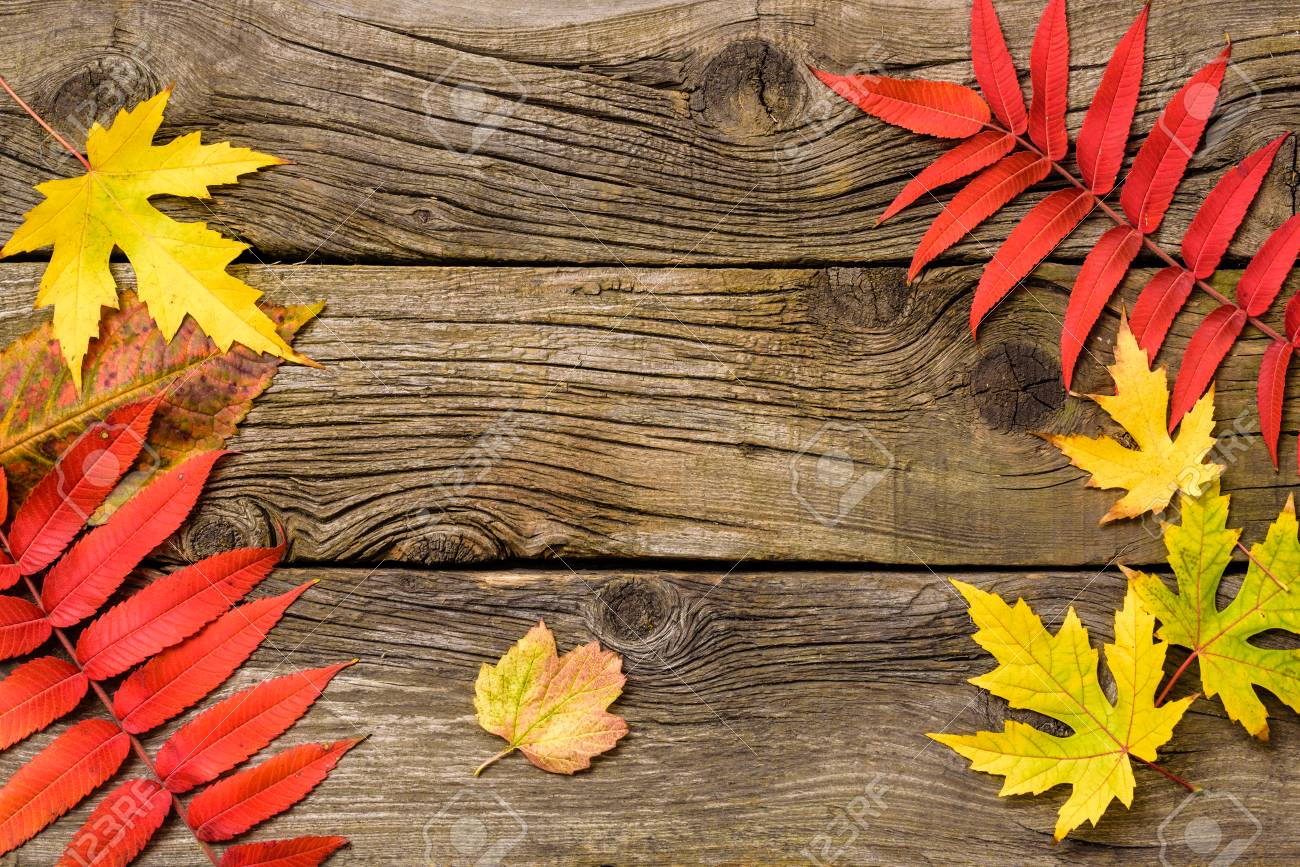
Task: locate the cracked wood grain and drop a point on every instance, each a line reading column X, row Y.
column 480, row 414
column 763, row 706
column 645, row 132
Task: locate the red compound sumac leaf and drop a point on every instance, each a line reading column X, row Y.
column 298, row 852
column 120, row 827
column 1205, row 351
column 1157, row 305
column 58, row 777
column 994, row 69
column 1223, row 210
column 976, row 202
column 171, row 609
column 234, row 729
column 1272, row 389
column 250, row 797
column 1100, row 148
column 37, row 693
column 1049, row 74
column 59, row 506
column 977, row 152
column 936, row 108
column 1101, row 273
column 1268, row 269
column 1162, row 160
column 184, row 674
column 83, row 579
column 206, row 393
column 1033, row 238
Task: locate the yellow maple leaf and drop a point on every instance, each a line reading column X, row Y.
column 1161, row 465
column 180, row 268
column 1222, row 639
column 551, row 708
column 1056, row 675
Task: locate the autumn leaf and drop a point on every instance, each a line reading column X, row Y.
column 1160, row 465
column 1221, row 639
column 180, row 267
column 551, row 708
column 176, row 641
column 207, row 392
column 991, row 141
column 1056, row 675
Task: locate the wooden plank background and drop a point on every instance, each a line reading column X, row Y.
column 603, row 293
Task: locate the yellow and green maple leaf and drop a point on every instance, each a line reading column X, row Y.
column 180, row 267
column 1056, row 675
column 1231, row 665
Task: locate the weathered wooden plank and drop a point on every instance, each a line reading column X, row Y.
column 643, row 131
column 475, row 414
column 709, row 415
column 767, row 709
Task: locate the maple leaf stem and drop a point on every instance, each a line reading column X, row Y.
column 107, row 702
column 51, row 130
column 498, row 757
column 1151, row 246
column 1164, row 693
column 1168, row 774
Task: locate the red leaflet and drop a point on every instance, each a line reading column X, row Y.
column 120, row 827
column 993, row 67
column 1049, row 75
column 1156, row 307
column 935, row 108
column 1272, row 388
column 1033, row 238
column 62, row 502
column 86, row 576
column 970, row 156
column 1162, row 160
column 171, row 609
column 1268, row 269
column 245, row 799
column 1224, row 208
column 58, row 777
column 234, row 729
column 1101, row 272
column 1291, row 319
column 23, row 627
column 976, row 202
column 1100, row 149
column 181, row 675
column 35, row 694
column 298, row 852
column 1204, row 353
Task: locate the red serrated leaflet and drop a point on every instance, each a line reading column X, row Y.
column 994, row 69
column 1205, row 351
column 1049, row 75
column 1105, row 130
column 1101, row 273
column 977, row 152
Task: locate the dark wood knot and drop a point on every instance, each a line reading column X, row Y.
column 1017, row 387
column 94, row 93
column 222, row 526
column 859, row 298
column 643, row 618
column 750, row 88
